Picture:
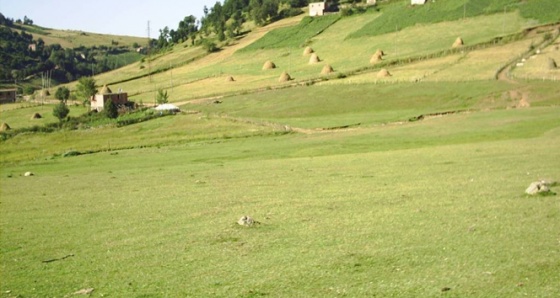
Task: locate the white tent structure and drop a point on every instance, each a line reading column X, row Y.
column 167, row 107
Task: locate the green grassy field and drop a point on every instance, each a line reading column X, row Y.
column 407, row 186
column 400, row 211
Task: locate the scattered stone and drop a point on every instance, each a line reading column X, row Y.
column 539, row 187
column 84, row 291
column 246, row 221
column 28, row 174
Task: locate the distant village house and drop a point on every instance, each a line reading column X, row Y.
column 99, row 100
column 317, row 8
column 7, row 95
column 32, row 47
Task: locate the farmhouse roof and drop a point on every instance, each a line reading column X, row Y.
column 105, row 90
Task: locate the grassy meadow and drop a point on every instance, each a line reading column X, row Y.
column 74, row 38
column 406, row 186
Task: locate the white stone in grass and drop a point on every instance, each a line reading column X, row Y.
column 537, row 187
column 246, row 221
column 28, row 174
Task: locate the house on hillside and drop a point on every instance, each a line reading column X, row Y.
column 417, row 2
column 99, row 100
column 317, row 8
column 7, row 95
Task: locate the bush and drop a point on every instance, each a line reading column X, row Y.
column 111, row 110
column 60, row 111
column 209, row 46
column 28, row 90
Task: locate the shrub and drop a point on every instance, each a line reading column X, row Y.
column 209, row 46
column 60, row 111
column 111, row 110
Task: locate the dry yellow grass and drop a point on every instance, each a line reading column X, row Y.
column 74, row 38
column 537, row 66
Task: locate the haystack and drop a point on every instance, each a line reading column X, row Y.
column 284, row 77
column 44, row 93
column 376, row 58
column 458, row 43
column 314, row 59
column 308, row 51
column 269, row 65
column 230, row 79
column 552, row 64
column 36, row 116
column 327, row 69
column 105, row 90
column 4, row 127
column 383, row 73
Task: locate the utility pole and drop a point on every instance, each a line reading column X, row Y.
column 149, row 54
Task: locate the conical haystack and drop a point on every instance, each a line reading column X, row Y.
column 552, row 64
column 327, row 69
column 308, row 51
column 314, row 59
column 4, row 126
column 44, row 93
column 458, row 43
column 284, row 77
column 377, row 57
column 105, row 90
column 383, row 73
column 230, row 79
column 36, row 116
column 269, row 65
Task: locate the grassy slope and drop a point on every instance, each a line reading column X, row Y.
column 74, row 39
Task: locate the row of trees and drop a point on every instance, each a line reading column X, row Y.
column 226, row 20
column 23, row 56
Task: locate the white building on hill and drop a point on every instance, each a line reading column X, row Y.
column 317, row 8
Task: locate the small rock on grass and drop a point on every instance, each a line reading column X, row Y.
column 539, row 187
column 84, row 291
column 246, row 221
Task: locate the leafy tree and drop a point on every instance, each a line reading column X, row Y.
column 209, row 46
column 27, row 21
column 28, row 90
column 162, row 96
column 110, row 109
column 60, row 111
column 62, row 93
column 86, row 88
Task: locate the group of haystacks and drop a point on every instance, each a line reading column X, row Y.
column 313, row 59
column 5, row 127
column 376, row 58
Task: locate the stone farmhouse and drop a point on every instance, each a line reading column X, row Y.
column 98, row 100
